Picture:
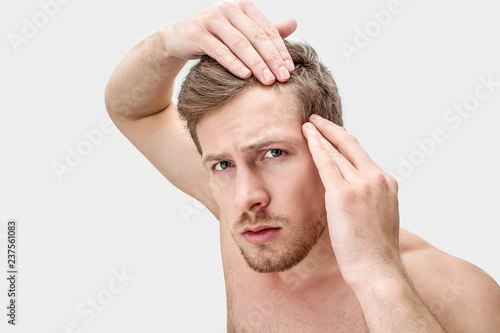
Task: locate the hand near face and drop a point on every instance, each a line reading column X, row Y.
column 361, row 203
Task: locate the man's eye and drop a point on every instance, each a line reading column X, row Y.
column 222, row 165
column 274, row 153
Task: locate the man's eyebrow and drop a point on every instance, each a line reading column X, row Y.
column 267, row 143
column 212, row 158
column 253, row 147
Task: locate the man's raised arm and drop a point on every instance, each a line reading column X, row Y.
column 139, row 93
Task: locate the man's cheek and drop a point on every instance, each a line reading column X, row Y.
column 219, row 184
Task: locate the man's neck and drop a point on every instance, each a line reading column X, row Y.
column 312, row 289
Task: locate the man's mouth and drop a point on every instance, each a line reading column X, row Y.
column 257, row 228
column 261, row 234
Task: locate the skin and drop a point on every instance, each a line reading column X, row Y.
column 256, row 182
column 364, row 272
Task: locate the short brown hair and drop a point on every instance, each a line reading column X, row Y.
column 209, row 85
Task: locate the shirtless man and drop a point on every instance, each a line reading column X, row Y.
column 333, row 257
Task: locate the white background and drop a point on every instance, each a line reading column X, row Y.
column 115, row 211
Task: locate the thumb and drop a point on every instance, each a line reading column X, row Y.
column 286, row 27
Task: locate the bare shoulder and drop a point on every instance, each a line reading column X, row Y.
column 459, row 294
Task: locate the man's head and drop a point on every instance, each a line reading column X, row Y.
column 260, row 168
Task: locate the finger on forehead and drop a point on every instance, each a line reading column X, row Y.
column 348, row 171
column 329, row 172
column 346, row 144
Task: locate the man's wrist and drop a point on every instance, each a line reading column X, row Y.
column 380, row 279
column 159, row 43
column 391, row 303
column 390, row 288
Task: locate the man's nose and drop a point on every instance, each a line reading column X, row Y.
column 250, row 193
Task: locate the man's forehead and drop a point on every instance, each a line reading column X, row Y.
column 257, row 116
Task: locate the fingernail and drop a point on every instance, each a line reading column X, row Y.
column 268, row 76
column 245, row 71
column 310, row 128
column 289, row 65
column 314, row 117
column 283, row 72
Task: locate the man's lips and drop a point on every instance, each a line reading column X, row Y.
column 258, row 228
column 262, row 234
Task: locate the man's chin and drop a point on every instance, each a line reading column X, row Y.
column 280, row 256
column 269, row 267
column 273, row 263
